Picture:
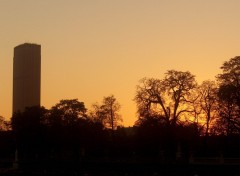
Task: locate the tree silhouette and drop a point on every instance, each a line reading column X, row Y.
column 28, row 129
column 98, row 113
column 229, row 95
column 207, row 101
column 4, row 125
column 67, row 113
column 167, row 98
column 67, row 121
column 231, row 78
column 107, row 113
column 28, row 121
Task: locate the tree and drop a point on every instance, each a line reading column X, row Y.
column 231, row 78
column 97, row 113
column 28, row 121
column 4, row 125
column 167, row 98
column 68, row 127
column 229, row 95
column 207, row 100
column 228, row 121
column 107, row 113
column 67, row 113
column 28, row 128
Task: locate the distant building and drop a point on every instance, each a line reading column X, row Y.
column 26, row 76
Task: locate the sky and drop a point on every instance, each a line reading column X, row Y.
column 95, row 48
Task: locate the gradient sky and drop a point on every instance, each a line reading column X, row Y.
column 94, row 48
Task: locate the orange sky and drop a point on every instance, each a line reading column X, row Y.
column 94, row 48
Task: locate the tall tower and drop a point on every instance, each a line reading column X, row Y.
column 26, row 76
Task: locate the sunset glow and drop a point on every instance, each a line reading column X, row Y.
column 95, row 48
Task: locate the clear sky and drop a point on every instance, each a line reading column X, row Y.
column 94, row 48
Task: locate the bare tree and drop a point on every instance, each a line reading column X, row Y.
column 168, row 98
column 107, row 113
column 207, row 102
column 97, row 113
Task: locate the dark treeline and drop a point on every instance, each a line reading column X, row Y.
column 177, row 120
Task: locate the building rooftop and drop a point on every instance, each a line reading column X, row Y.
column 26, row 45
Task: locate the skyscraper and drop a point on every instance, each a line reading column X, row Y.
column 26, row 76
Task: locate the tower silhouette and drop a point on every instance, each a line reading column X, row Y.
column 26, row 76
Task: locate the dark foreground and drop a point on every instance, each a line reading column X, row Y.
column 119, row 169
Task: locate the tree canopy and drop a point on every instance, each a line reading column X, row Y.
column 107, row 113
column 168, row 97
